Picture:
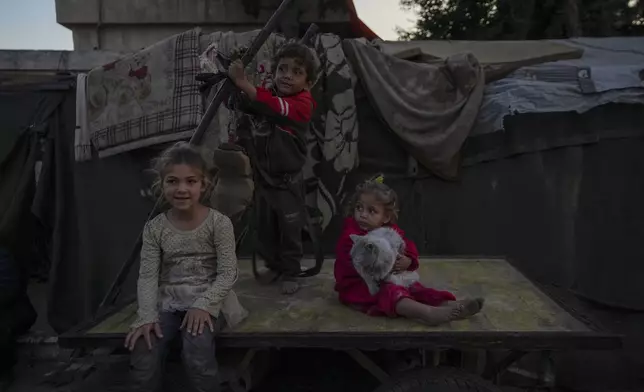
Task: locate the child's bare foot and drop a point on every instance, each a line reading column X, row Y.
column 434, row 316
column 290, row 286
column 425, row 314
column 465, row 308
column 268, row 277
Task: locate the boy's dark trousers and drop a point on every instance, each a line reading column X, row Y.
column 280, row 226
column 197, row 355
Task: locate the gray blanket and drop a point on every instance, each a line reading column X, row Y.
column 430, row 107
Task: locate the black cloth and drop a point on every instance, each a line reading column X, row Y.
column 18, row 109
column 95, row 212
column 25, row 117
column 92, row 212
column 17, row 187
column 54, row 206
column 17, row 312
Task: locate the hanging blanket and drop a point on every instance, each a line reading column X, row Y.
column 82, row 137
column 333, row 150
column 430, row 107
column 332, row 144
column 146, row 98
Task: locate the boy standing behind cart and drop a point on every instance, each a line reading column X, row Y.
column 281, row 125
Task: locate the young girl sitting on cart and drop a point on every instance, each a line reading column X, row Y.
column 188, row 268
column 375, row 205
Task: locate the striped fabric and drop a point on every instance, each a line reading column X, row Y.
column 147, row 98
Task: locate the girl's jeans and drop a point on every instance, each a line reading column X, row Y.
column 197, row 355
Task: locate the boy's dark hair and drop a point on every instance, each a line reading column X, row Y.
column 302, row 54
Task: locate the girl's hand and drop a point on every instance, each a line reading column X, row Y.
column 236, row 72
column 195, row 321
column 402, row 263
column 145, row 331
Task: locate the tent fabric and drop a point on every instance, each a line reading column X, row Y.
column 498, row 58
column 542, row 76
column 26, row 116
column 18, row 314
column 18, row 109
column 487, row 52
column 606, row 51
column 430, row 107
column 94, row 212
column 83, row 140
column 33, row 113
column 610, row 121
column 360, row 29
column 91, row 213
column 612, row 63
column 17, row 187
column 611, row 70
column 8, row 139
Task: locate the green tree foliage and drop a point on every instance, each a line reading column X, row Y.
column 523, row 19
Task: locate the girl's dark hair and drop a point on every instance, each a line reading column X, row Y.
column 383, row 194
column 302, row 54
column 180, row 153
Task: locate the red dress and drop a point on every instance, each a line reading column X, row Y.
column 353, row 290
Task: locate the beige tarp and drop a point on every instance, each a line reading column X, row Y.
column 430, row 107
column 498, row 58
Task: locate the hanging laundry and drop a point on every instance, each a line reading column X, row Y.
column 147, row 98
column 82, row 137
column 430, row 107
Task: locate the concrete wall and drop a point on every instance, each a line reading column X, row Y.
column 29, row 66
column 53, row 60
column 131, row 38
column 129, row 25
column 105, row 29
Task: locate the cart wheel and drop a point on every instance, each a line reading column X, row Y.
column 438, row 380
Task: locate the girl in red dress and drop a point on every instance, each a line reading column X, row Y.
column 376, row 205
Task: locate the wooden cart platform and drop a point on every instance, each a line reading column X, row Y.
column 517, row 315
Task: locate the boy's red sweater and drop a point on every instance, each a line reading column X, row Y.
column 280, row 140
column 292, row 112
column 350, row 286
